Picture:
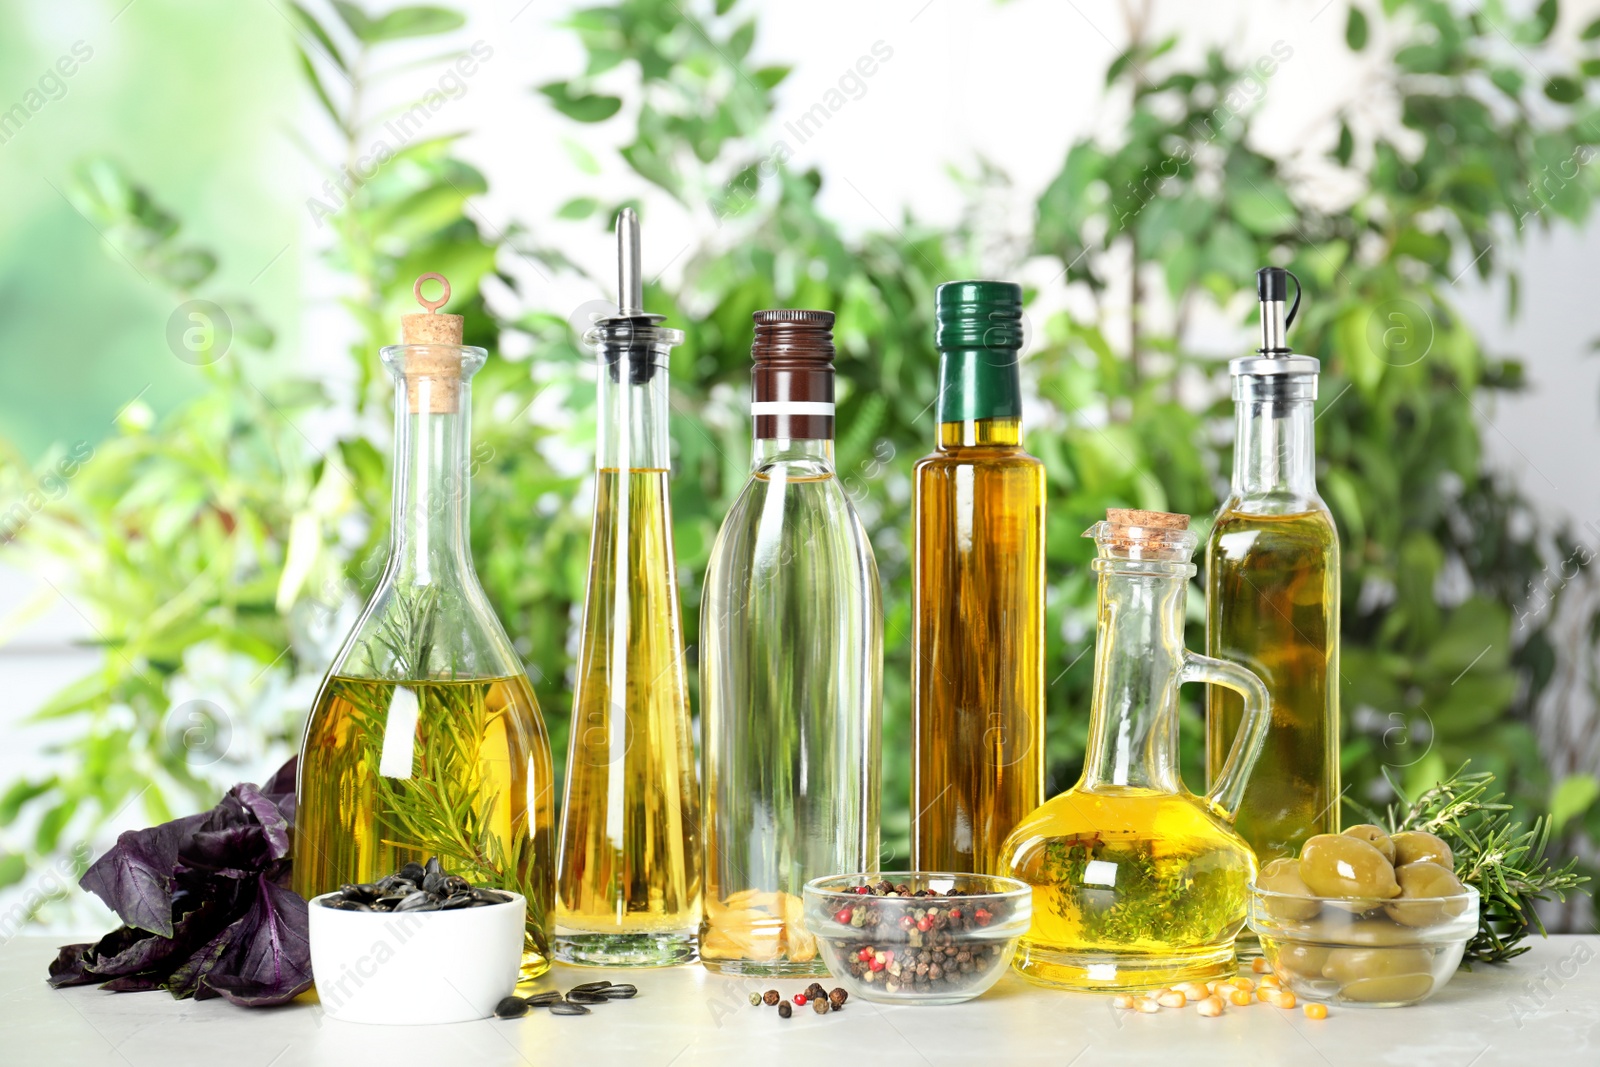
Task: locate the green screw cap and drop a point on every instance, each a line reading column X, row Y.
column 979, row 336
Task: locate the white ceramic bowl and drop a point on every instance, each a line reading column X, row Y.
column 415, row 967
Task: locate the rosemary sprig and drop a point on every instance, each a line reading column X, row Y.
column 1494, row 853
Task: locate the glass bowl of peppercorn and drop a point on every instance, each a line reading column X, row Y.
column 917, row 937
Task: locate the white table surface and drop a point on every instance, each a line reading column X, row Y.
column 1541, row 1009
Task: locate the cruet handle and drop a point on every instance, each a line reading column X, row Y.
column 1227, row 792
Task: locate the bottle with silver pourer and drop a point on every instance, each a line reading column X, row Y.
column 628, row 880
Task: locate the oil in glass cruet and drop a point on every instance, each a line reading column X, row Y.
column 628, row 876
column 1272, row 591
column 1137, row 882
column 425, row 739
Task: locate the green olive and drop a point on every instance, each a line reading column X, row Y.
column 1401, row 989
column 1283, row 876
column 1418, row 846
column 1333, row 865
column 1374, row 836
column 1347, row 965
column 1421, row 885
column 1297, row 957
column 1379, row 932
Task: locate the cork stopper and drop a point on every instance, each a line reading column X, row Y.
column 1129, row 533
column 433, row 376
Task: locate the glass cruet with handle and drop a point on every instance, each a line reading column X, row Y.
column 1139, row 883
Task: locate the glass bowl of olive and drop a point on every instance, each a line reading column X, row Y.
column 1364, row 918
column 917, row 937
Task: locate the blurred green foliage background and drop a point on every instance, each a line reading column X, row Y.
column 219, row 534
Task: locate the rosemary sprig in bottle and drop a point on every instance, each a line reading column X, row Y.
column 1494, row 853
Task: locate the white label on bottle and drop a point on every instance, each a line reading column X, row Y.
column 791, row 407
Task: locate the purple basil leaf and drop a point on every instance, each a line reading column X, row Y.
column 134, row 878
column 160, row 955
column 268, row 960
column 280, row 787
column 230, row 840
column 189, row 979
column 70, row 966
column 136, row 983
column 266, row 812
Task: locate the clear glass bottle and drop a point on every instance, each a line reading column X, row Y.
column 791, row 663
column 1272, row 592
column 628, row 880
column 977, row 659
column 426, row 738
column 1138, row 883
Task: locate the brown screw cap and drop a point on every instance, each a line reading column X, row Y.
column 792, row 382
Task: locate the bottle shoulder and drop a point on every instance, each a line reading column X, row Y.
column 982, row 457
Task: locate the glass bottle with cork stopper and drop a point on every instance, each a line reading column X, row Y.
column 1137, row 882
column 791, row 668
column 628, row 883
column 1272, row 590
column 978, row 594
column 425, row 739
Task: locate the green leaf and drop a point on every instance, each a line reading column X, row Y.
column 12, row 867
column 1571, row 798
column 309, row 23
column 724, row 6
column 743, row 38
column 1355, row 29
column 317, row 89
column 17, row 797
column 579, row 207
column 1563, row 89
column 1545, row 17
column 1591, row 31
column 1347, row 145
column 421, row 21
column 770, row 77
column 581, row 107
column 1262, row 207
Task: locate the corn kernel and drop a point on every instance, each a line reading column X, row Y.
column 1148, row 1007
column 1285, row 1000
column 1260, row 966
column 1316, row 1011
column 1122, row 1000
column 1242, row 983
column 1172, row 999
column 1238, row 997
column 1210, row 1007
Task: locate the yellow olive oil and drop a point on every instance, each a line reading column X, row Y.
column 1147, row 888
column 978, row 668
column 630, row 827
column 1272, row 595
column 394, row 772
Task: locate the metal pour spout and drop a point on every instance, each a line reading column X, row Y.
column 630, row 283
column 1272, row 287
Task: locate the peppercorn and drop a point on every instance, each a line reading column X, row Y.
column 819, row 1005
column 755, row 999
column 838, row 997
column 771, row 996
column 784, row 1011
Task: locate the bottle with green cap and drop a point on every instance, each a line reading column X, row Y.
column 978, row 597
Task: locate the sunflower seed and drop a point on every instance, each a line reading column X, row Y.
column 544, row 1000
column 511, row 1008
column 566, row 1007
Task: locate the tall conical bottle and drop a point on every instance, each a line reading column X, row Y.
column 978, row 595
column 426, row 739
column 791, row 664
column 1272, row 590
column 628, row 881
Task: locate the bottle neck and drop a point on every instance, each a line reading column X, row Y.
column 980, row 433
column 769, row 450
column 1138, row 656
column 432, row 491
column 979, row 384
column 634, row 409
column 1274, row 450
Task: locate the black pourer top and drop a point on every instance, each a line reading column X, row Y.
column 1272, row 283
